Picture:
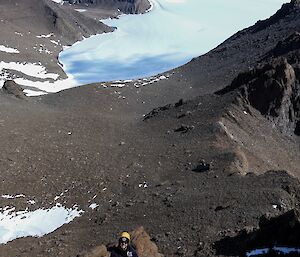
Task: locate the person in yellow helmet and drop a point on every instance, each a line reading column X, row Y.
column 124, row 249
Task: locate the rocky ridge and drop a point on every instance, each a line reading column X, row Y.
column 39, row 30
column 125, row 6
column 273, row 89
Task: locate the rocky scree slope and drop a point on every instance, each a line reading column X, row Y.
column 125, row 6
column 39, row 29
column 241, row 52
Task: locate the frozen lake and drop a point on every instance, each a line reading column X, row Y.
column 171, row 34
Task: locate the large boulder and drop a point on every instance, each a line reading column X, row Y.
column 11, row 87
column 143, row 244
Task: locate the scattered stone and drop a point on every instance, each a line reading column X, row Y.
column 202, row 166
column 98, row 251
column 220, row 208
column 155, row 111
column 184, row 128
column 179, row 103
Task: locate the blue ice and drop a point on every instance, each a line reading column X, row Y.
column 168, row 36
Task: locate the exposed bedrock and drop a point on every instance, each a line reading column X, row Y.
column 287, row 11
column 289, row 44
column 283, row 230
column 274, row 90
column 70, row 24
column 125, row 6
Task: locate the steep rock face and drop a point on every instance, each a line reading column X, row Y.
column 283, row 13
column 125, row 6
column 70, row 24
column 281, row 230
column 289, row 44
column 273, row 89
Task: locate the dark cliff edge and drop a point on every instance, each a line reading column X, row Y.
column 70, row 24
column 125, row 6
column 273, row 89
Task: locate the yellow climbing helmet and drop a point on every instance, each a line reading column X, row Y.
column 125, row 235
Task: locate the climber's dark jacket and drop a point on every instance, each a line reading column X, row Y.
column 118, row 252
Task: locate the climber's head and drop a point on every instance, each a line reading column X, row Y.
column 124, row 240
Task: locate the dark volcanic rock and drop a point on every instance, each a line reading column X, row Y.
column 283, row 230
column 287, row 45
column 202, row 166
column 68, row 23
column 156, row 111
column 143, row 244
column 125, row 6
column 11, row 87
column 283, row 13
column 273, row 89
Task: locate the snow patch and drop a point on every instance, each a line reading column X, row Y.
column 36, row 71
column 29, row 92
column 9, row 50
column 12, row 196
column 45, row 36
column 93, row 206
column 80, row 10
column 30, row 69
column 34, row 223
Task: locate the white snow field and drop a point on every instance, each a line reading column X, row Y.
column 34, row 223
column 168, row 36
column 40, row 75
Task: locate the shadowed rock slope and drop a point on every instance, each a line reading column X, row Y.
column 40, row 28
column 241, row 52
column 125, row 6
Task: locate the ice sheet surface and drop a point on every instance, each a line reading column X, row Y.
column 166, row 37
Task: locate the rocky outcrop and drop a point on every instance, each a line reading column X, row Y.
column 274, row 90
column 125, row 6
column 143, row 244
column 282, row 230
column 11, row 87
column 285, row 46
column 285, row 11
column 69, row 24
